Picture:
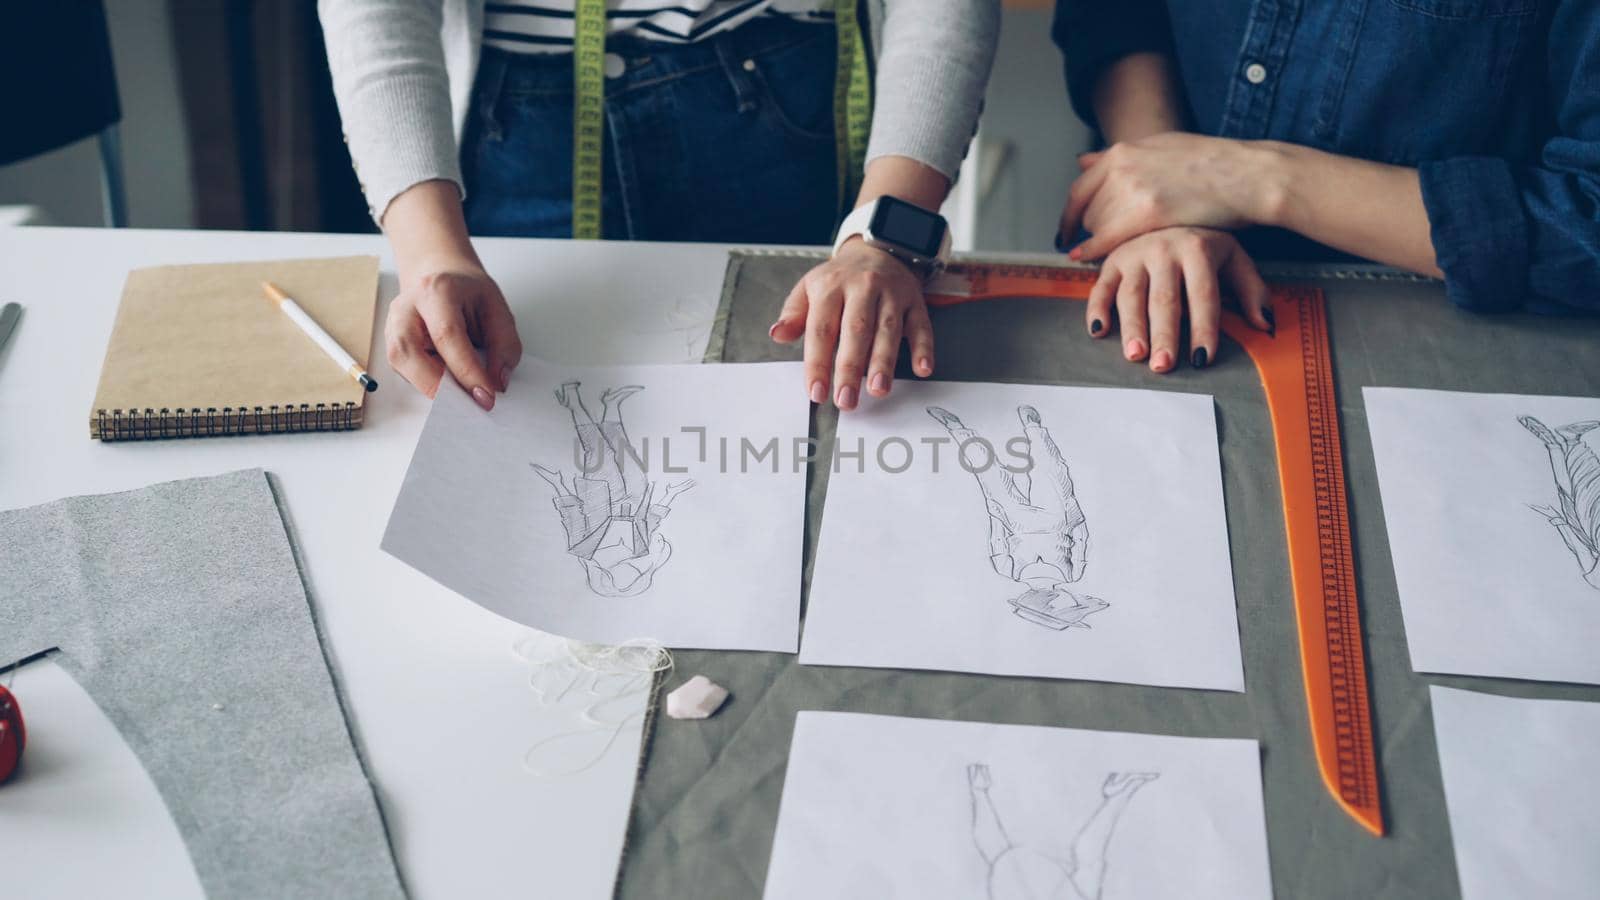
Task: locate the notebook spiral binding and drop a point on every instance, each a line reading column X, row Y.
column 155, row 424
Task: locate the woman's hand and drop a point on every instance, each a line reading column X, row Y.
column 1166, row 180
column 853, row 311
column 448, row 306
column 1154, row 277
column 441, row 319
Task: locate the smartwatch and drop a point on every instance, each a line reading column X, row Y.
column 909, row 233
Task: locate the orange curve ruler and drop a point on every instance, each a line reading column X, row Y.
column 1297, row 374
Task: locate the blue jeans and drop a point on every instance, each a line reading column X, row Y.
column 728, row 139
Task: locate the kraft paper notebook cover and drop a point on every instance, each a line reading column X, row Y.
column 198, row 351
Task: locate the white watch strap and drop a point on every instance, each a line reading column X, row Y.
column 854, row 224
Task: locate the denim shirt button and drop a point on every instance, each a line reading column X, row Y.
column 1255, row 73
column 615, row 65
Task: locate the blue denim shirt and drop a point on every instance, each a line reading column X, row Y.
column 1495, row 102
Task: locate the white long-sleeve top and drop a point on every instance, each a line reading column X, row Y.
column 403, row 73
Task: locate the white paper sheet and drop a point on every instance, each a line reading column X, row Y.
column 1523, row 793
column 712, row 562
column 1112, row 565
column 81, row 817
column 1489, row 585
column 884, row 807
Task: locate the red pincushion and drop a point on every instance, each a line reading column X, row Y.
column 12, row 734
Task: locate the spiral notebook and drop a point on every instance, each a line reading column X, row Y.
column 197, row 351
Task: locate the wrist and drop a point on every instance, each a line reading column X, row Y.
column 428, row 231
column 1271, row 198
column 857, row 246
column 415, row 273
column 423, row 260
column 905, row 179
column 915, row 237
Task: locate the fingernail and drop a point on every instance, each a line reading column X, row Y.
column 880, row 383
column 924, row 366
column 484, row 398
column 1162, row 361
column 773, row 331
column 1061, row 242
column 819, row 392
column 505, row 377
column 1134, row 349
column 1198, row 358
column 1096, row 327
column 1077, row 253
column 846, row 398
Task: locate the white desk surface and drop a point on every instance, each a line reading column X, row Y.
column 441, row 706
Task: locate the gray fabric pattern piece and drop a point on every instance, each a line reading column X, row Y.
column 180, row 609
column 707, row 802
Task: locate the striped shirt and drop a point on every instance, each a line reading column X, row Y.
column 546, row 26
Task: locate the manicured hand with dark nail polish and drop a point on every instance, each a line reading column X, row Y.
column 1157, row 278
column 853, row 312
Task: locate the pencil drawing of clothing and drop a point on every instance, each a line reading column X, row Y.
column 610, row 509
column 1576, row 515
column 1062, row 869
column 1038, row 536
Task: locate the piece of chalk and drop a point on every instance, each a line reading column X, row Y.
column 696, row 698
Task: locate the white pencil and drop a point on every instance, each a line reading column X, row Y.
column 314, row 331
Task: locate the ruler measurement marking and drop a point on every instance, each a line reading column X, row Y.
column 588, row 110
column 1346, row 674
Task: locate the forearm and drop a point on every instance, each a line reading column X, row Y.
column 1138, row 96
column 1372, row 210
column 931, row 71
column 390, row 82
column 428, row 231
column 906, row 179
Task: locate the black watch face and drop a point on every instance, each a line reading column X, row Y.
column 908, row 226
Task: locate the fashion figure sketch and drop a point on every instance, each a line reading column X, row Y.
column 1038, row 536
column 611, row 510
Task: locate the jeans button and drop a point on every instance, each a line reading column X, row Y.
column 615, row 65
column 1255, row 73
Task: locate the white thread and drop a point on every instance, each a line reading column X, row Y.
column 611, row 676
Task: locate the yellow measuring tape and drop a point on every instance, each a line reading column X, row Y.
column 852, row 110
column 588, row 115
column 852, row 103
